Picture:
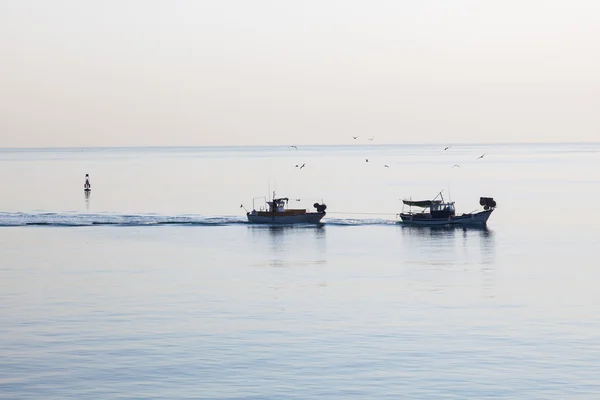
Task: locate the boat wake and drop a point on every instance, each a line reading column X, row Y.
column 77, row 219
column 357, row 221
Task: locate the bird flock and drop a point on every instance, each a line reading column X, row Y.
column 384, row 165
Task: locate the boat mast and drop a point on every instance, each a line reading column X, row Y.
column 273, row 205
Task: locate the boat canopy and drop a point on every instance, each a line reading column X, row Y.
column 420, row 203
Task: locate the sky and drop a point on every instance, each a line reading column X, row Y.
column 238, row 72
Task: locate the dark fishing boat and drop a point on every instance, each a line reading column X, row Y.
column 438, row 212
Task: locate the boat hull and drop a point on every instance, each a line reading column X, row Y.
column 307, row 218
column 479, row 218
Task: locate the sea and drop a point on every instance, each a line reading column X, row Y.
column 154, row 285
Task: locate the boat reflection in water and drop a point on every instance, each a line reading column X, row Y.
column 451, row 259
column 451, row 243
column 86, row 195
column 286, row 245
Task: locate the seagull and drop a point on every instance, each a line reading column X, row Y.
column 481, row 156
column 456, row 165
column 302, row 166
column 371, row 138
column 354, row 137
column 447, row 147
column 387, row 166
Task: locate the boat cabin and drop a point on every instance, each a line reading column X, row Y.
column 432, row 208
column 440, row 209
column 277, row 205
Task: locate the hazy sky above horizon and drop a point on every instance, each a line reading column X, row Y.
column 147, row 72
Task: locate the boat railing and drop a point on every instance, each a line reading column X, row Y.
column 264, row 207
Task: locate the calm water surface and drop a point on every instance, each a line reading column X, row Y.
column 154, row 287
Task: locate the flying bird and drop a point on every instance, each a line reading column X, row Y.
column 302, row 166
column 366, row 160
column 447, row 147
column 294, row 147
column 481, row 156
column 354, row 137
column 387, row 166
column 456, row 165
column 371, row 138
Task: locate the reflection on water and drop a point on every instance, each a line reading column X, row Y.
column 439, row 232
column 87, row 200
column 288, row 245
column 280, row 231
column 486, row 242
column 441, row 243
column 468, row 252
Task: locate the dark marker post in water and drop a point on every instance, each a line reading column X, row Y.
column 86, row 186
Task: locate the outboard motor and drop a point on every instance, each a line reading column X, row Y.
column 320, row 207
column 487, row 202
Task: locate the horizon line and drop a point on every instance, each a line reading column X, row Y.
column 24, row 148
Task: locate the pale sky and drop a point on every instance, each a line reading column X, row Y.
column 241, row 72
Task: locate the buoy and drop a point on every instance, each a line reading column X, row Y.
column 86, row 186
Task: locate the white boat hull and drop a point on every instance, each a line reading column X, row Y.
column 479, row 218
column 308, row 218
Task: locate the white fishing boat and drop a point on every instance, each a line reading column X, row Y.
column 276, row 211
column 438, row 212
